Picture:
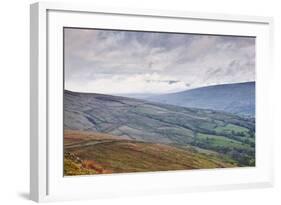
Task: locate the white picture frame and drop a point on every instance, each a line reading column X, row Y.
column 46, row 175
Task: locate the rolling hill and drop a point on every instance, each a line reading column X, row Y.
column 97, row 153
column 238, row 98
column 223, row 137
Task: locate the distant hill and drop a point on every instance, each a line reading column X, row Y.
column 238, row 98
column 230, row 136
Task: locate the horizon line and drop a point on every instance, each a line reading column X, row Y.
column 120, row 94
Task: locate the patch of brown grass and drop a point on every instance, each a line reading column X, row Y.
column 102, row 153
column 93, row 165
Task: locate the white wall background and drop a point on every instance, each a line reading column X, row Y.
column 14, row 101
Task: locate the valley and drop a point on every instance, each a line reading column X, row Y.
column 113, row 134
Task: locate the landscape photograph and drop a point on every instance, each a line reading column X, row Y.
column 146, row 101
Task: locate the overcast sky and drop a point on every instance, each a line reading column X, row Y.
column 122, row 62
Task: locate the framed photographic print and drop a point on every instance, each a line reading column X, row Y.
column 127, row 102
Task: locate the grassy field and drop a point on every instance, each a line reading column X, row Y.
column 229, row 128
column 220, row 141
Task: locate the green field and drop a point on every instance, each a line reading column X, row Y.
column 231, row 128
column 216, row 140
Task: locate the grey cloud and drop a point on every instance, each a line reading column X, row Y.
column 196, row 60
